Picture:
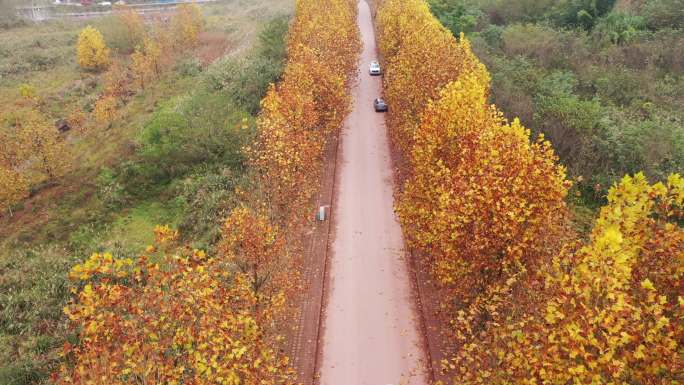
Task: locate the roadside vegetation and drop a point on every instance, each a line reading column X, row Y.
column 525, row 298
column 140, row 138
column 177, row 314
column 602, row 80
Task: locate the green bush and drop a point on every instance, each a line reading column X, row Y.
column 33, row 289
column 457, row 15
column 111, row 192
column 580, row 13
column 516, row 11
column 619, row 86
column 568, row 121
column 246, row 80
column 202, row 128
column 189, row 67
column 207, row 196
column 619, row 28
column 534, row 41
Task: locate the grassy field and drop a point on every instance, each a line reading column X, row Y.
column 172, row 156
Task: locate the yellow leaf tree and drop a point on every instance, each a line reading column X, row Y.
column 182, row 319
column 610, row 310
column 40, row 148
column 13, row 188
column 91, row 49
column 186, row 24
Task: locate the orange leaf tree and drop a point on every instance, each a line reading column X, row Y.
column 421, row 57
column 183, row 319
column 482, row 201
column 610, row 310
column 306, row 107
column 486, row 206
column 32, row 145
column 254, row 246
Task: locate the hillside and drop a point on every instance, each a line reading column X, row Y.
column 122, row 178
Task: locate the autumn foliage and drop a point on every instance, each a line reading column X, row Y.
column 607, row 311
column 421, row 57
column 482, row 204
column 481, row 199
column 300, row 114
column 173, row 319
column 178, row 316
column 91, row 49
column 186, row 24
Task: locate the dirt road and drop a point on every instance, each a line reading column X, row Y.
column 370, row 332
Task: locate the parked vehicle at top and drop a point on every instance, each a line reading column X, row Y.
column 379, row 105
column 375, row 68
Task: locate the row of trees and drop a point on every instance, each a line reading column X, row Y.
column 300, row 114
column 177, row 316
column 526, row 302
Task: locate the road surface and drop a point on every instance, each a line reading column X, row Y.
column 370, row 331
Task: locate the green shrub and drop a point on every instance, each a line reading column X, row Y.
column 538, row 42
column 189, row 67
column 207, row 196
column 619, row 28
column 33, row 289
column 493, row 35
column 580, row 13
column 566, row 120
column 246, row 80
column 619, row 85
column 111, row 192
column 21, row 372
column 516, row 11
column 457, row 15
column 202, row 128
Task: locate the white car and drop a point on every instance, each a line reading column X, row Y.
column 105, row 3
column 375, row 68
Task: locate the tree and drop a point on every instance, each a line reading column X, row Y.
column 186, row 24
column 146, row 61
column 34, row 145
column 482, row 201
column 13, row 188
column 252, row 244
column 134, row 25
column 116, row 80
column 610, row 309
column 179, row 320
column 301, row 113
column 91, row 49
column 105, row 109
column 421, row 57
